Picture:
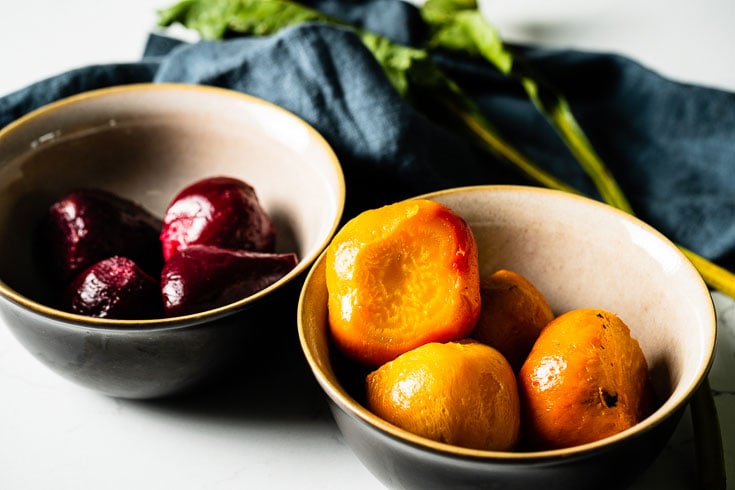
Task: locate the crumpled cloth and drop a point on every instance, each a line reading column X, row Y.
column 670, row 145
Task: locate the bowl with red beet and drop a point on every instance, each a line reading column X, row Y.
column 146, row 231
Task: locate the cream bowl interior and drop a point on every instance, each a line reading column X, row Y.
column 146, row 143
column 579, row 253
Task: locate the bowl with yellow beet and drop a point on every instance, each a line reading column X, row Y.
column 505, row 337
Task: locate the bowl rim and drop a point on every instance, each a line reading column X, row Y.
column 339, row 396
column 147, row 325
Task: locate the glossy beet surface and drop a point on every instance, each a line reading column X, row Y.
column 202, row 277
column 90, row 225
column 115, row 288
column 220, row 211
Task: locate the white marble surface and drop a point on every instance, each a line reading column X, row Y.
column 264, row 428
column 688, row 40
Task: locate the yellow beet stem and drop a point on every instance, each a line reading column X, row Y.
column 586, row 156
column 477, row 125
column 715, row 276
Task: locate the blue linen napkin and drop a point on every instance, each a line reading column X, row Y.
column 670, row 145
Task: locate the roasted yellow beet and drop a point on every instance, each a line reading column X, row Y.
column 513, row 314
column 462, row 393
column 586, row 378
column 401, row 276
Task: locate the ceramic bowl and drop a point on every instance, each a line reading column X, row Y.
column 145, row 143
column 579, row 253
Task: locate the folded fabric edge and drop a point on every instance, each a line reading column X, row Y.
column 79, row 80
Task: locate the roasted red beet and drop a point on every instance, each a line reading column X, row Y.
column 89, row 225
column 115, row 288
column 201, row 277
column 220, row 211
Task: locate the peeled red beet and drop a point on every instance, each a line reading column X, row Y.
column 89, row 225
column 201, row 277
column 219, row 211
column 115, row 288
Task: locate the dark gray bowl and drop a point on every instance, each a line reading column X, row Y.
column 579, row 253
column 147, row 142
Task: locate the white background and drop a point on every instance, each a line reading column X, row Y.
column 266, row 428
column 692, row 41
